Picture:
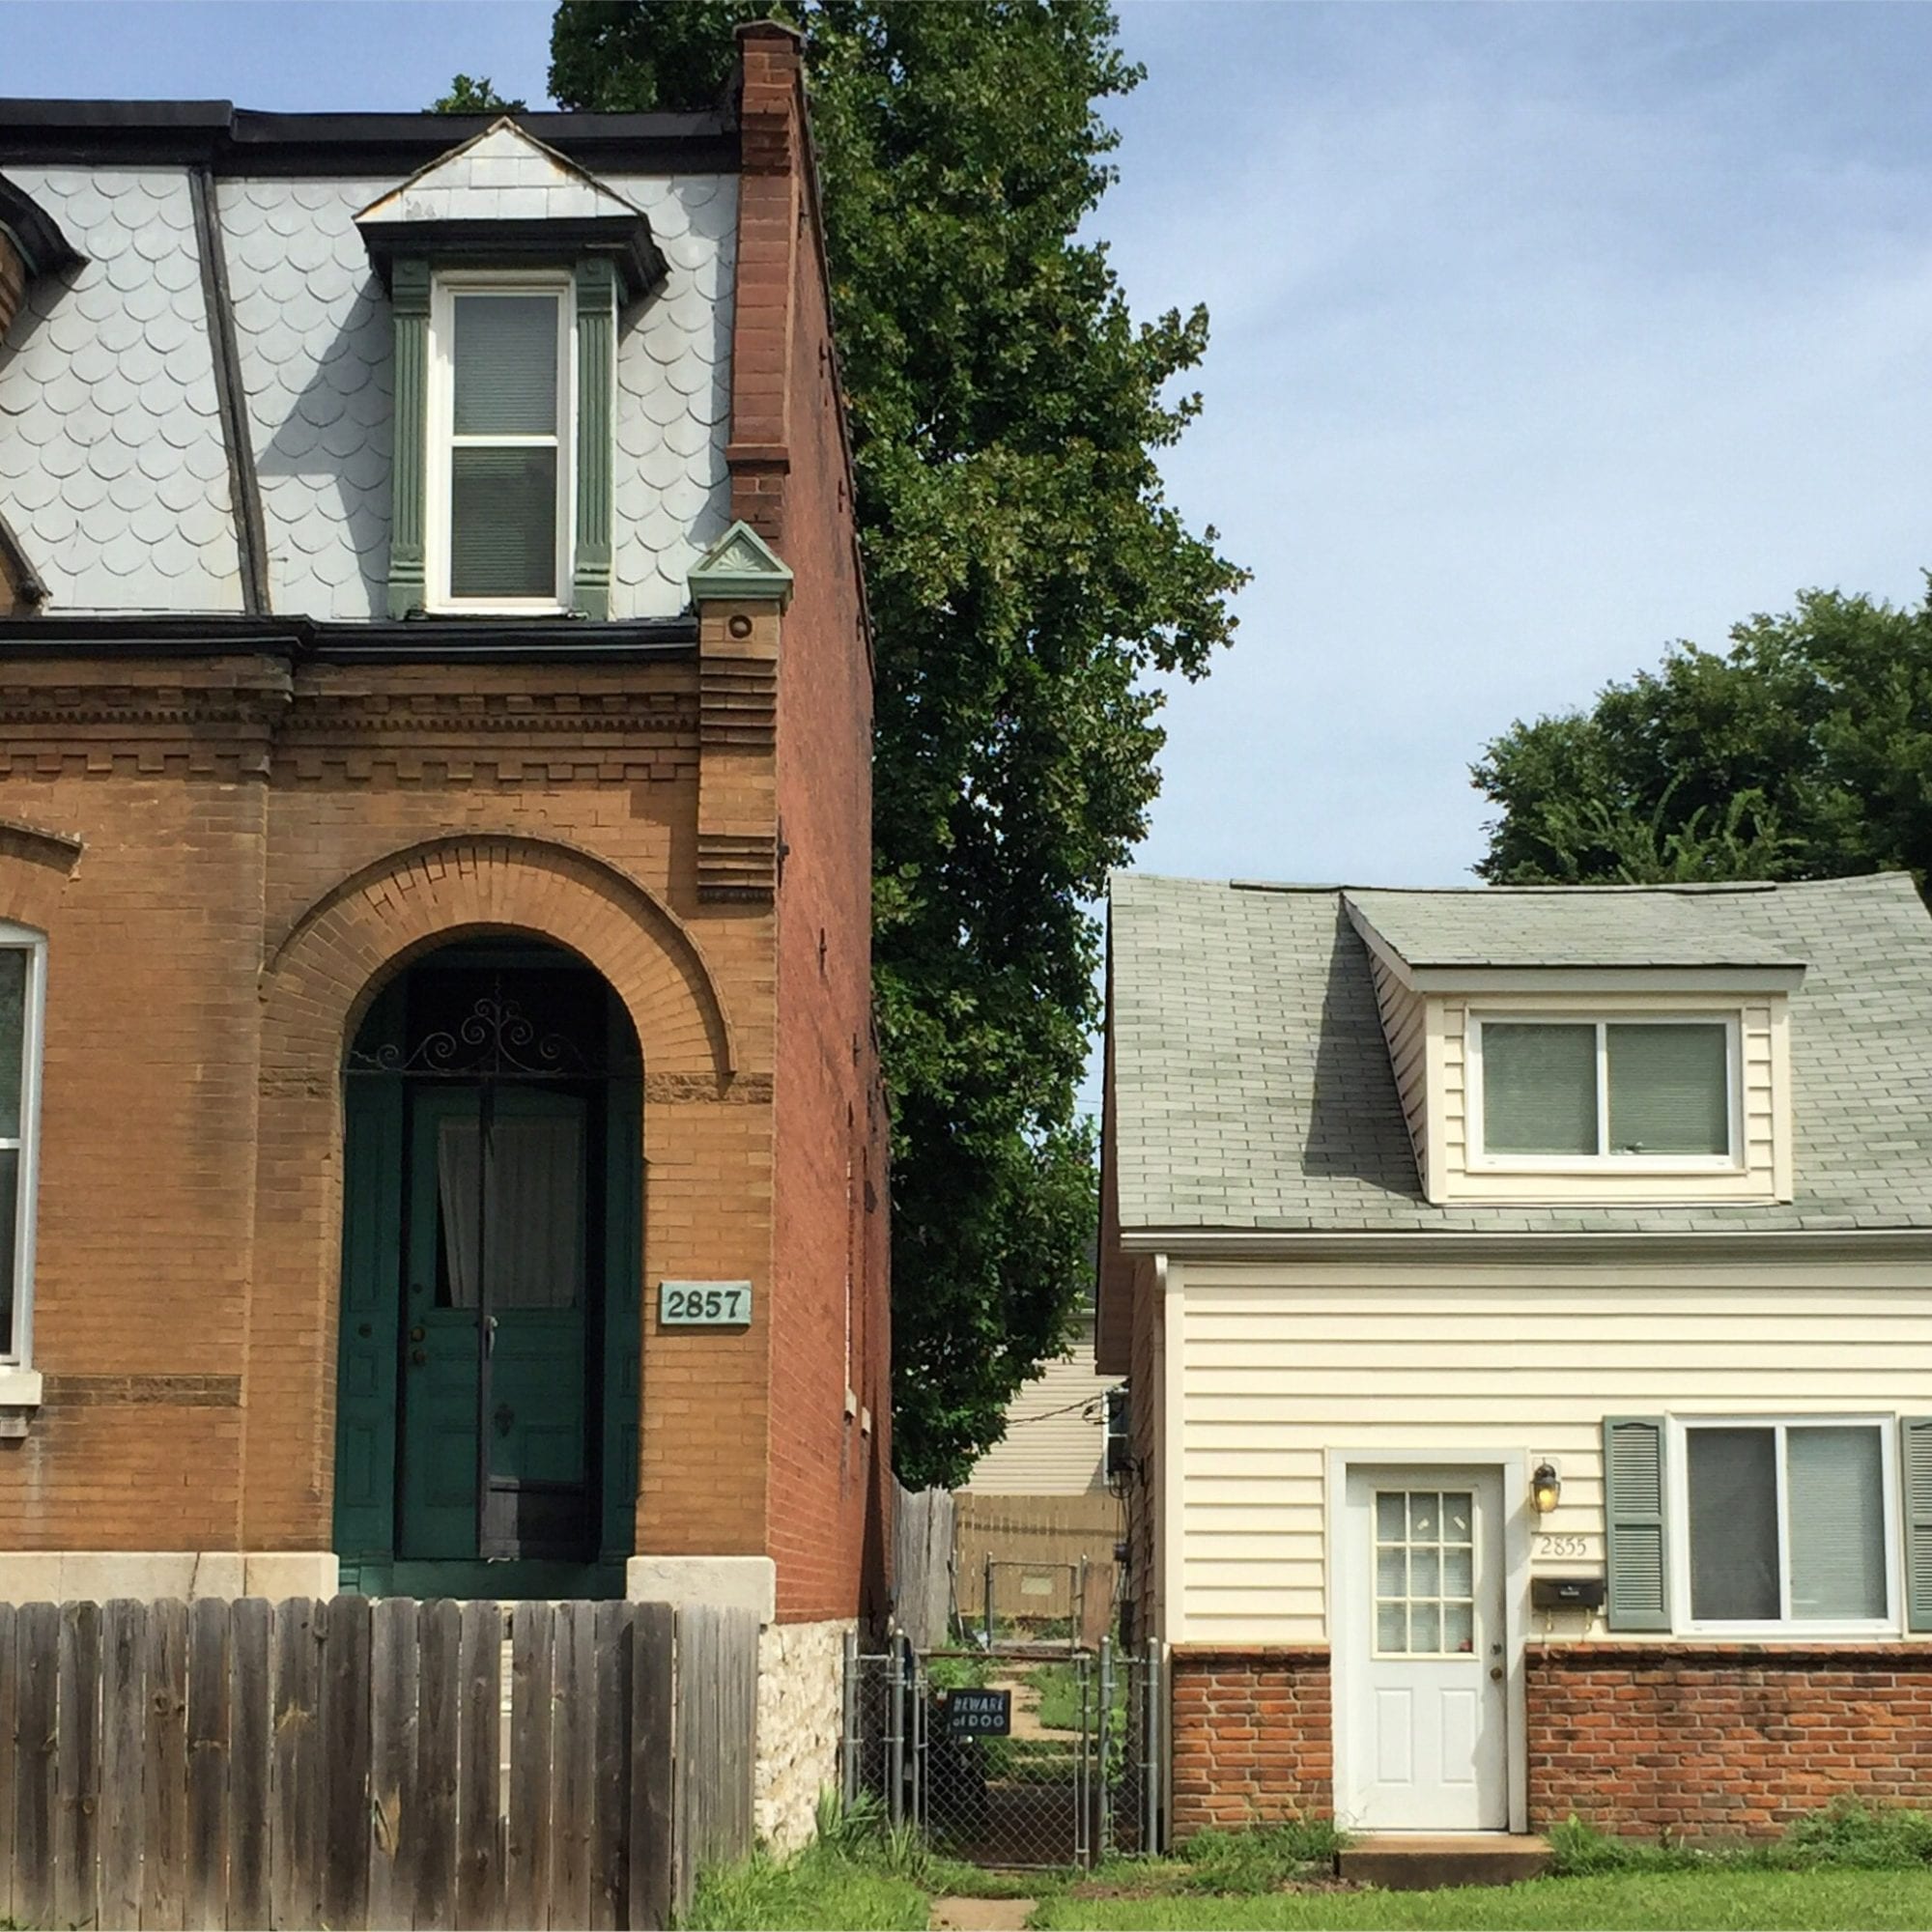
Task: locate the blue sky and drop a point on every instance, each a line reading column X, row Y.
column 1543, row 335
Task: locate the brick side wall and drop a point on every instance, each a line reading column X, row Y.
column 829, row 1469
column 1724, row 1740
column 1252, row 1739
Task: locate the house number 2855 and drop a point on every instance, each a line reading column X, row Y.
column 1563, row 1545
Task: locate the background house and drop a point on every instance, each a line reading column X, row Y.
column 1526, row 1298
column 443, row 1131
column 1040, row 1502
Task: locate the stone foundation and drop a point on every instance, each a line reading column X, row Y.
column 1251, row 1735
column 801, row 1723
column 99, row 1575
column 1724, row 1740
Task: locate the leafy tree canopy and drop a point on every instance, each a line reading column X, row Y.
column 1026, row 576
column 468, row 96
column 1804, row 751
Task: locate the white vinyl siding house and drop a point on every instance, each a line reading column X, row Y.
column 1365, row 1320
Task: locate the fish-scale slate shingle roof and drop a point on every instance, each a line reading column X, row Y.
column 113, row 471
column 1253, row 1090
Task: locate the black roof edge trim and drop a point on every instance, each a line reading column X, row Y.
column 242, row 141
column 36, row 233
column 28, row 580
column 626, row 239
column 416, row 640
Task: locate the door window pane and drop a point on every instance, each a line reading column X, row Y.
column 504, row 360
column 1538, row 1088
column 1834, row 1489
column 1425, row 1590
column 1732, row 1476
column 503, row 522
column 1669, row 1089
column 13, row 1037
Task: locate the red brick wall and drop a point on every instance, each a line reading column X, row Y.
column 1251, row 1736
column 829, row 1469
column 1723, row 1739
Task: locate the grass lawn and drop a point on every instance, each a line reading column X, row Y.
column 1777, row 1901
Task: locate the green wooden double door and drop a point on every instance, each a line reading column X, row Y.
column 487, row 1419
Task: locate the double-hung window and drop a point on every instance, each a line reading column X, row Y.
column 1634, row 1093
column 501, row 444
column 1786, row 1523
column 22, row 997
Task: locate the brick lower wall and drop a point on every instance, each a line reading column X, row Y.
column 1252, row 1737
column 1723, row 1739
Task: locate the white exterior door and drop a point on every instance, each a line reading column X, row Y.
column 1423, row 1665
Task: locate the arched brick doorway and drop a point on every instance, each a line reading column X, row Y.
column 486, row 1408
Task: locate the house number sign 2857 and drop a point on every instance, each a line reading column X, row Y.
column 704, row 1304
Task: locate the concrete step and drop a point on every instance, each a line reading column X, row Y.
column 1421, row 1861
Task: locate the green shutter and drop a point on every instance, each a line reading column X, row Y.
column 596, row 381
column 1638, row 1547
column 1915, row 1466
column 408, row 304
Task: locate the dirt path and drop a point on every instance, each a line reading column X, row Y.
column 980, row 1914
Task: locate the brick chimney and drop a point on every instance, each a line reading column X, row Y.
column 771, row 216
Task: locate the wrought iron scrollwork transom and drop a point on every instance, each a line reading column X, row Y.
column 495, row 1037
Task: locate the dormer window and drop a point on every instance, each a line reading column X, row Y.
column 500, row 441
column 506, row 266
column 1655, row 1092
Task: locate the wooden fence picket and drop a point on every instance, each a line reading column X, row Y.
column 124, row 1656
column 528, row 1826
column 479, row 1826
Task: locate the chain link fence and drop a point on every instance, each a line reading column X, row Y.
column 1024, row 1757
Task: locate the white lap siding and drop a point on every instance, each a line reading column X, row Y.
column 1280, row 1362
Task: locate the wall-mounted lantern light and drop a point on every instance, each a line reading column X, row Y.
column 1545, row 1488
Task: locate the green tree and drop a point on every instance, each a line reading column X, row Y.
column 479, row 96
column 1026, row 578
column 1802, row 751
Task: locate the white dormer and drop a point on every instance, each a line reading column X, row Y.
column 1576, row 1045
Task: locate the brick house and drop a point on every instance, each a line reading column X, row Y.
column 440, row 1126
column 1528, row 1298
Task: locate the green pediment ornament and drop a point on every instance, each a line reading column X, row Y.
column 740, row 565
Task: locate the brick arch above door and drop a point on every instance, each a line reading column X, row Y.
column 354, row 938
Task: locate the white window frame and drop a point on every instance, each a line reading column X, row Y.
column 441, row 438
column 24, row 939
column 1786, row 1628
column 1730, row 1161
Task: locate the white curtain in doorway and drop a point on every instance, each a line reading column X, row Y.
column 533, row 1210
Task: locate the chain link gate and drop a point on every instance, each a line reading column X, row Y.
column 1038, row 1757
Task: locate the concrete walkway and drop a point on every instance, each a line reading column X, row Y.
column 980, row 1914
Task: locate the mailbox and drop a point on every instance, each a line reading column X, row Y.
column 1566, row 1593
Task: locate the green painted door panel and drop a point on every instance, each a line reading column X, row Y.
column 529, row 1239
column 365, row 1432
column 623, row 1310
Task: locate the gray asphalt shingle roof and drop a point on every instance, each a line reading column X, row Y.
column 1614, row 927
column 1252, row 1085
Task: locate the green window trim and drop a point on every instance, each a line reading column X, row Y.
column 594, row 437
column 408, row 303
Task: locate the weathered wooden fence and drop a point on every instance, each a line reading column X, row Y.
column 347, row 1764
column 922, row 1563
